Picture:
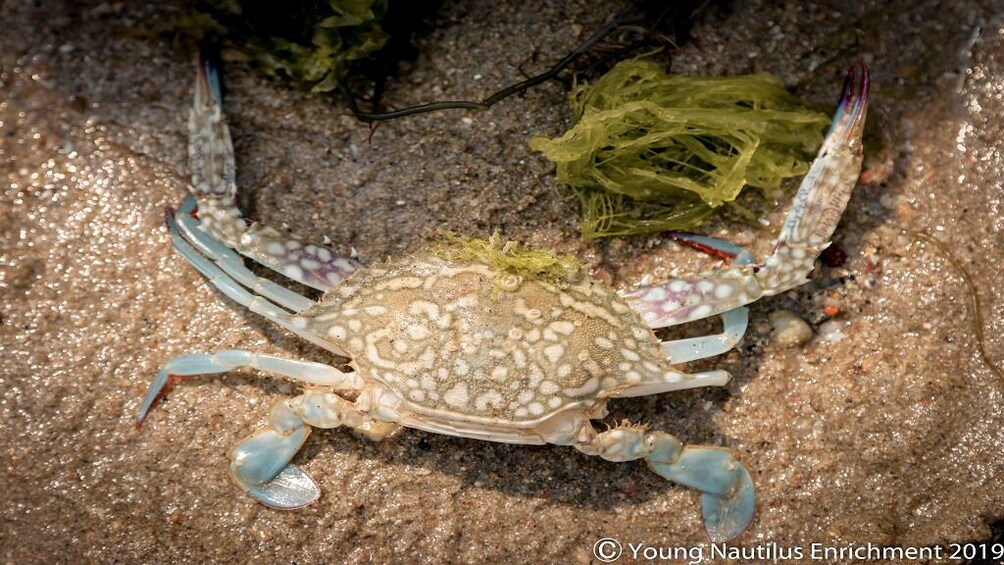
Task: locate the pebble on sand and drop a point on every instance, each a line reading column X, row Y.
column 790, row 330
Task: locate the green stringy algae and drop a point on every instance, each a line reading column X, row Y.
column 652, row 152
column 517, row 262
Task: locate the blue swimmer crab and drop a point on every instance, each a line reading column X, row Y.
column 458, row 346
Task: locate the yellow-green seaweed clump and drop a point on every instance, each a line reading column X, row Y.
column 652, row 152
column 517, row 262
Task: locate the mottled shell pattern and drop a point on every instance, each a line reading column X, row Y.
column 450, row 340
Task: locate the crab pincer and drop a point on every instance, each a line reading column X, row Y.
column 808, row 226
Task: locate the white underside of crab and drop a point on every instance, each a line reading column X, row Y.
column 439, row 345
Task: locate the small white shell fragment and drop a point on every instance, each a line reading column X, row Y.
column 833, row 330
column 790, row 330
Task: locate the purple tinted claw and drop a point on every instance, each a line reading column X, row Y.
column 846, row 96
column 823, row 194
column 849, row 118
column 693, row 298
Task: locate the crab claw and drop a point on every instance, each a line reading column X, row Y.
column 292, row 488
column 806, row 232
column 260, row 463
column 728, row 500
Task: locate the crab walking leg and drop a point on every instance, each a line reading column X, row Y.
column 211, row 153
column 260, row 463
column 231, row 264
column 728, row 501
column 819, row 202
column 228, row 286
column 691, row 349
column 227, row 360
column 675, row 380
column 671, row 383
